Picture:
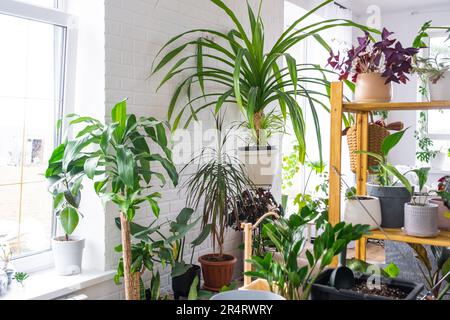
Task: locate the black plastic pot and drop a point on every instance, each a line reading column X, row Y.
column 181, row 285
column 392, row 201
column 321, row 289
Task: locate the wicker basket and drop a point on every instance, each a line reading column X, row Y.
column 377, row 134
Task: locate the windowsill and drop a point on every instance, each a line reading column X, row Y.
column 46, row 285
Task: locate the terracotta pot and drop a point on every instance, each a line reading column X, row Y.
column 371, row 87
column 217, row 274
column 443, row 221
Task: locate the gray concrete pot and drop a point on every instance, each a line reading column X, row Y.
column 392, row 201
column 421, row 221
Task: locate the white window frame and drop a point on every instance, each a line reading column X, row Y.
column 426, row 53
column 43, row 260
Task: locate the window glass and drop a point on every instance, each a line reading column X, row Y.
column 30, row 83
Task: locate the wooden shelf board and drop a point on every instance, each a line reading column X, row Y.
column 380, row 106
column 442, row 240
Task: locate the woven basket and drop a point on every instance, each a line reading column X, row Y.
column 376, row 136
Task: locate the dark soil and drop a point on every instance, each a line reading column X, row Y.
column 383, row 291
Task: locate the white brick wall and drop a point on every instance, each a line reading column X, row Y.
column 134, row 31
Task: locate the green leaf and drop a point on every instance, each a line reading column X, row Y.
column 69, row 220
column 168, row 57
column 292, row 66
column 421, row 255
column 391, row 141
column 90, row 166
column 126, row 166
column 393, row 170
column 202, row 236
column 392, row 270
column 184, row 216
column 193, row 294
column 155, row 286
column 119, row 115
column 237, row 78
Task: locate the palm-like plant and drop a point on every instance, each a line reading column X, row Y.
column 247, row 75
column 218, row 183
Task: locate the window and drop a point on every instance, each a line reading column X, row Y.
column 437, row 124
column 32, row 86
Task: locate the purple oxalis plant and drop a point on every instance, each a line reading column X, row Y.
column 387, row 57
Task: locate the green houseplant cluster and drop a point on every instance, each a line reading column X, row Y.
column 118, row 156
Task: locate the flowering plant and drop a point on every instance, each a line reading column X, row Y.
column 387, row 57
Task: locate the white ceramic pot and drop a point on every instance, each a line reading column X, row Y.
column 354, row 212
column 372, row 87
column 68, row 255
column 421, row 221
column 438, row 163
column 441, row 90
column 261, row 164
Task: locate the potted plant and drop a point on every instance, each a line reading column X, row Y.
column 392, row 196
column 421, row 216
column 117, row 155
column 355, row 206
column 286, row 276
column 65, row 187
column 218, row 182
column 374, row 66
column 251, row 78
column 434, row 72
column 183, row 274
column 434, row 276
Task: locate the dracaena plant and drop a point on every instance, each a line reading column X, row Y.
column 217, row 183
column 118, row 157
column 285, row 275
column 247, row 75
column 387, row 57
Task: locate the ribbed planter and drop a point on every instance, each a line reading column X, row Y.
column 421, row 221
column 392, row 202
column 217, row 272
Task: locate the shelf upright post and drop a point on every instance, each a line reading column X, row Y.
column 334, row 205
column 362, row 132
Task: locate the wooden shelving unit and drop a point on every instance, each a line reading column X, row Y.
column 362, row 110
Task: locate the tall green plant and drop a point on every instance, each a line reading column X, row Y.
column 118, row 156
column 247, row 74
column 218, row 182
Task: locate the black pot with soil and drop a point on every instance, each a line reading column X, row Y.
column 389, row 289
column 392, row 201
column 181, row 285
